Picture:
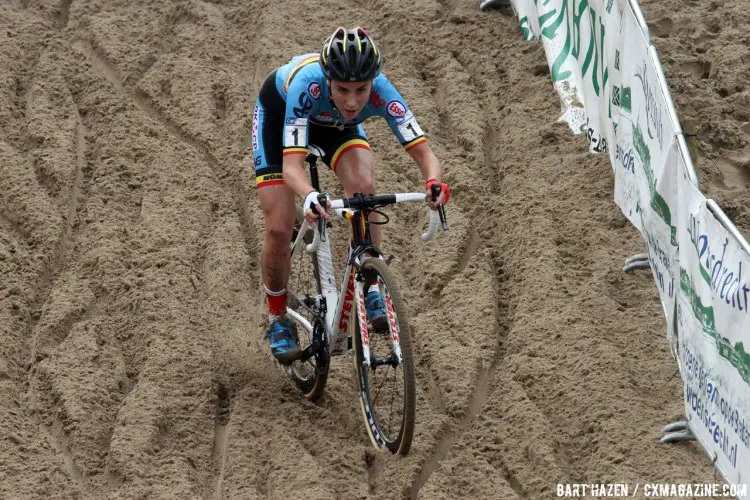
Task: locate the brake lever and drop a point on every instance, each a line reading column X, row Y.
column 322, row 201
column 441, row 209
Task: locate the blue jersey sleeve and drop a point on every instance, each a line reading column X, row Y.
column 388, row 103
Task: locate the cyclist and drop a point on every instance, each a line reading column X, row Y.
column 321, row 99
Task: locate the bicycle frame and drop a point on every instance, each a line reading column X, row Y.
column 340, row 303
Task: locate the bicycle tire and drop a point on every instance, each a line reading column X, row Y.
column 309, row 376
column 382, row 433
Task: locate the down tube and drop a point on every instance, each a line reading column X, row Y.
column 327, row 283
column 342, row 318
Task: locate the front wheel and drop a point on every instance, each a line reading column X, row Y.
column 387, row 385
column 303, row 287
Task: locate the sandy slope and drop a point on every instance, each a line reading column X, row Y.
column 131, row 362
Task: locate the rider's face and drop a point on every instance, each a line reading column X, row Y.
column 350, row 97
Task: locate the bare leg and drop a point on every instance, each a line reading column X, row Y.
column 277, row 203
column 354, row 170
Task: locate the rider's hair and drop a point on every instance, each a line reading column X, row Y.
column 350, row 55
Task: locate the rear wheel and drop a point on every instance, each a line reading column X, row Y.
column 303, row 288
column 387, row 385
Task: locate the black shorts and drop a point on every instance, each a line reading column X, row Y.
column 268, row 130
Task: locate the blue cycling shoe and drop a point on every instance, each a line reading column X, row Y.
column 376, row 315
column 282, row 336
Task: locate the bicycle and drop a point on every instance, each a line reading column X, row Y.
column 327, row 314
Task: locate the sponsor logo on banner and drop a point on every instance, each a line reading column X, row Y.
column 314, row 90
column 723, row 276
column 625, row 159
column 658, row 203
column 597, row 144
column 621, row 98
column 396, row 109
column 528, row 33
column 713, row 322
column 257, row 161
column 654, row 112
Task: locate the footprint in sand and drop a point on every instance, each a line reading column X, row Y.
column 735, row 165
column 661, row 28
column 697, row 68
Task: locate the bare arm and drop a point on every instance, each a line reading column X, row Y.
column 296, row 178
column 293, row 167
column 429, row 165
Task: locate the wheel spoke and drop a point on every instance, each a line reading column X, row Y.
column 393, row 415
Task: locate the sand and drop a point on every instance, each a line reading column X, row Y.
column 131, row 361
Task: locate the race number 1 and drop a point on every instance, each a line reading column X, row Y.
column 410, row 129
column 295, row 134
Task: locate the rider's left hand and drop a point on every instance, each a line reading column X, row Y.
column 445, row 194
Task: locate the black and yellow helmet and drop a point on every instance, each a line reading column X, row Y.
column 350, row 55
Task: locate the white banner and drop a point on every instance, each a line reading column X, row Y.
column 611, row 86
column 528, row 18
column 560, row 24
column 714, row 335
column 644, row 132
column 658, row 225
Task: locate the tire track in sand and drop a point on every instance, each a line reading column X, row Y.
column 454, row 430
column 143, row 103
column 63, row 13
column 146, row 105
column 463, row 135
column 55, row 432
column 221, row 440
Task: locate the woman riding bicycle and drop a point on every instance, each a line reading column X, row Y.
column 321, row 100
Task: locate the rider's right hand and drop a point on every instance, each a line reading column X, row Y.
column 445, row 194
column 312, row 208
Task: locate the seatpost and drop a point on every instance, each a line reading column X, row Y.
column 312, row 160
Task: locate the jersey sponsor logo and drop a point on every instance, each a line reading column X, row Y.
column 314, row 90
column 408, row 116
column 325, row 116
column 396, row 109
column 295, row 133
column 305, row 105
column 256, row 115
column 375, row 100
